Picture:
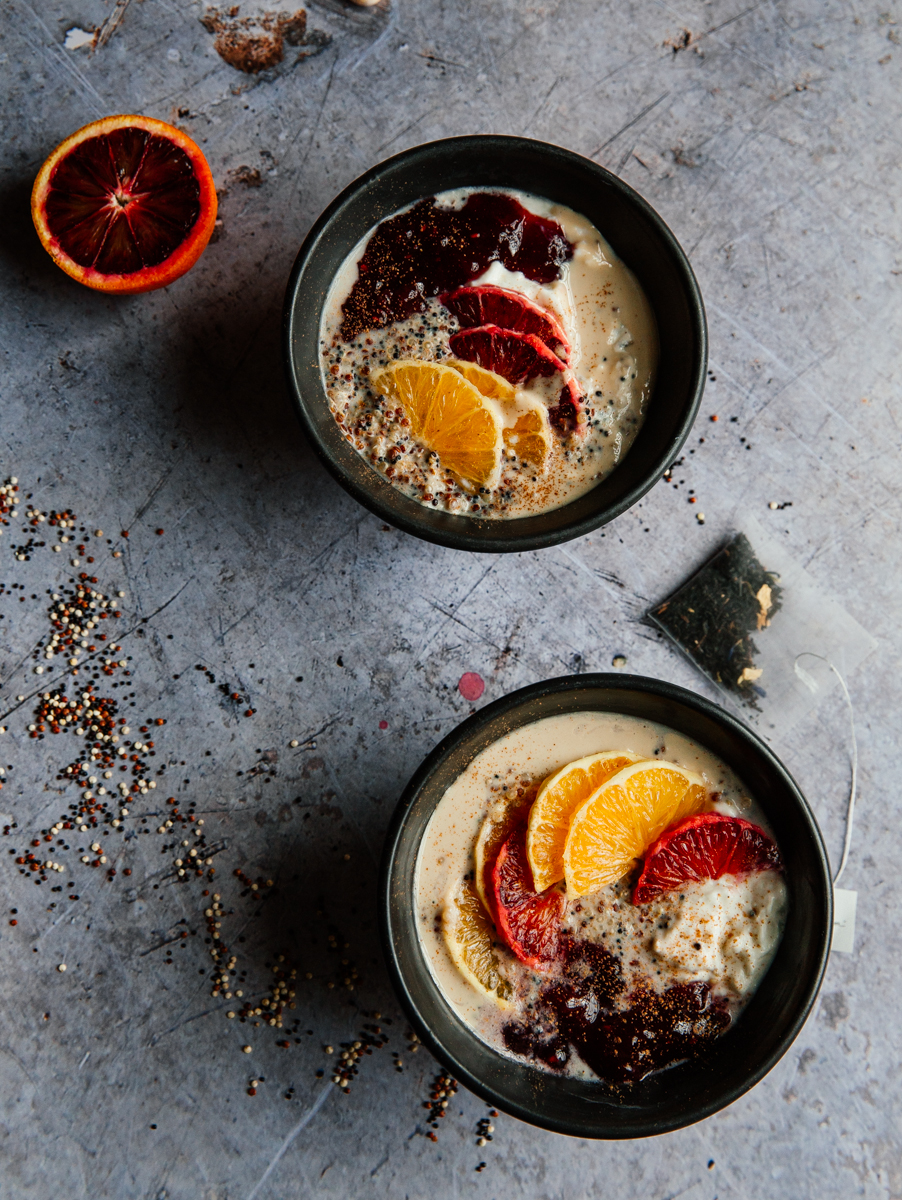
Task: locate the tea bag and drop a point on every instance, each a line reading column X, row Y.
column 758, row 626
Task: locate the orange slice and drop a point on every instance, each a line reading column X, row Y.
column 126, row 204
column 470, row 940
column 530, row 436
column 494, row 386
column 448, row 415
column 622, row 818
column 527, row 430
column 559, row 797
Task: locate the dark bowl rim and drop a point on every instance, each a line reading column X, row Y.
column 470, row 728
column 464, row 539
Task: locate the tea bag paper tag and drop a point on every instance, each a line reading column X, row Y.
column 844, row 905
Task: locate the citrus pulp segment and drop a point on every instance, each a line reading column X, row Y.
column 567, row 415
column 470, row 940
column 529, row 437
column 448, row 415
column 622, row 818
column 559, row 797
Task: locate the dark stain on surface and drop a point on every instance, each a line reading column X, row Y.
column 834, row 1008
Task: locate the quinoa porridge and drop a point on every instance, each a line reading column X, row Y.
column 488, row 353
column 613, row 981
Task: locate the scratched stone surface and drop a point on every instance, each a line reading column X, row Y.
column 767, row 136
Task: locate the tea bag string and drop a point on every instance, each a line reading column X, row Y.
column 850, row 809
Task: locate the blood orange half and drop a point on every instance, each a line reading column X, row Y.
column 704, row 847
column 126, row 204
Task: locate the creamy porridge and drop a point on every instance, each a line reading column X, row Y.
column 545, row 337
column 613, row 981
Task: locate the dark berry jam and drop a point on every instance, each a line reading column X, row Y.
column 622, row 1038
column 428, row 249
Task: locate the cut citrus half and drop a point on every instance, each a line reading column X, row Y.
column 470, row 940
column 126, row 204
column 704, row 847
column 622, row 818
column 497, row 827
column 559, row 797
column 448, row 415
column 527, row 429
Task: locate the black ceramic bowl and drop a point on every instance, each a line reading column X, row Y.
column 733, row 1063
column 639, row 237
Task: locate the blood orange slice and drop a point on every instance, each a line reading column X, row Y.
column 704, row 847
column 489, row 305
column 529, row 921
column 126, row 204
column 516, row 357
column 565, row 415
column 503, row 816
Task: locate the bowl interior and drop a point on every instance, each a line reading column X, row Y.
column 636, row 233
column 683, row 1094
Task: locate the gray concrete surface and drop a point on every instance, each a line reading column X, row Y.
column 771, row 146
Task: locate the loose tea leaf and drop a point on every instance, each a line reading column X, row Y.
column 713, row 615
